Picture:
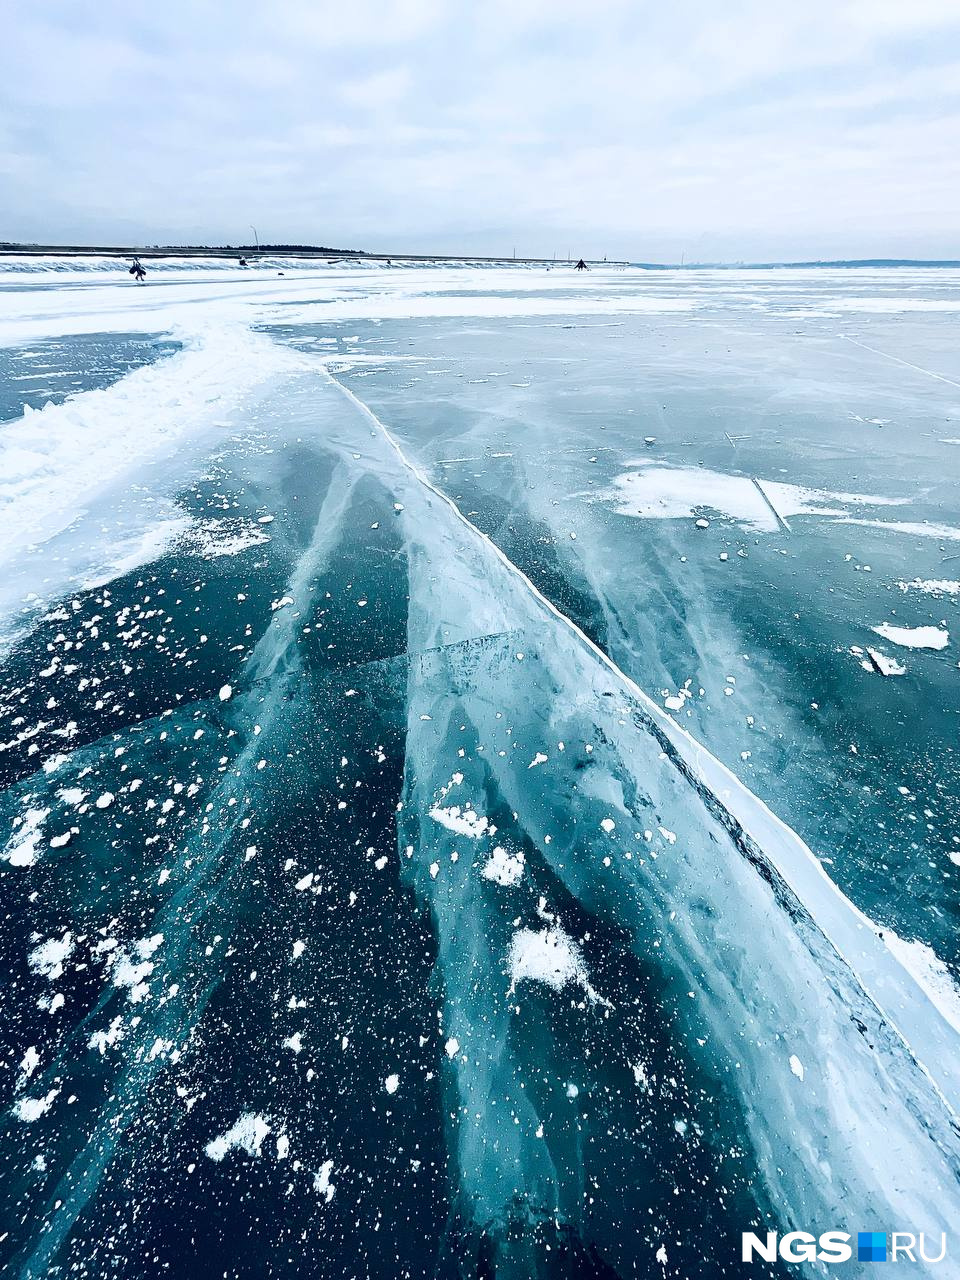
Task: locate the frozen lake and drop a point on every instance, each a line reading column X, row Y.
column 479, row 762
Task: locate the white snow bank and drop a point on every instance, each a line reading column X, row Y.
column 72, row 471
column 143, row 546
column 53, row 461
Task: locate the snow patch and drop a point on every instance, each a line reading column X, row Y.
column 656, row 491
column 225, row 538
column 504, row 868
column 465, row 821
column 246, row 1135
column 21, row 848
column 27, row 1110
column 321, row 1181
column 550, row 956
column 914, row 637
column 49, row 957
column 932, row 586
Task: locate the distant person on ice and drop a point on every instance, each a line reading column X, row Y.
column 138, row 271
column 581, row 266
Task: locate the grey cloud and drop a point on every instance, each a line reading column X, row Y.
column 632, row 129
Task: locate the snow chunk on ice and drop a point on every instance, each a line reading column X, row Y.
column 550, row 956
column 321, row 1181
column 914, row 637
column 48, row 958
column 246, row 1135
column 28, row 1110
column 674, row 702
column 504, row 868
column 392, row 1083
column 21, row 848
column 886, row 666
column 465, row 822
column 28, row 1065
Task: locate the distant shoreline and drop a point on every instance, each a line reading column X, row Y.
column 252, row 253
column 315, row 252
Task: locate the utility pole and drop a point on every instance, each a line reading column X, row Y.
column 256, row 238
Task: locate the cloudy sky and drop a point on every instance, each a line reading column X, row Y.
column 740, row 129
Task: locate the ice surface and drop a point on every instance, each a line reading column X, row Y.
column 446, row 894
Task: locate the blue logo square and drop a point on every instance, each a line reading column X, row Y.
column 871, row 1246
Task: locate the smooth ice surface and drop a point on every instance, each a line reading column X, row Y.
column 455, row 821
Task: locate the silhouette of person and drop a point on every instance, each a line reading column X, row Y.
column 137, row 271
